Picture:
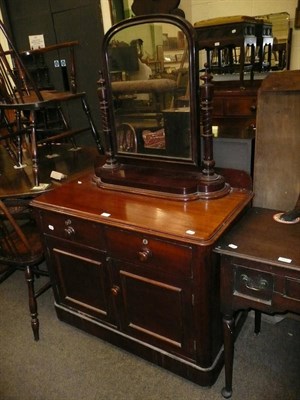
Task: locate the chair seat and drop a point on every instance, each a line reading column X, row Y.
column 21, row 254
column 50, row 98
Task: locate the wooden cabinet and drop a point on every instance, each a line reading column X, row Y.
column 234, row 125
column 235, row 104
column 139, row 271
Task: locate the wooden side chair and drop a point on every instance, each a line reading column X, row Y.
column 20, row 93
column 9, row 137
column 21, row 249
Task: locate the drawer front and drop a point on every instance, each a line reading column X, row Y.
column 256, row 285
column 218, row 107
column 292, row 289
column 141, row 249
column 240, row 106
column 74, row 229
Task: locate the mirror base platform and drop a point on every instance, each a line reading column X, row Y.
column 181, row 185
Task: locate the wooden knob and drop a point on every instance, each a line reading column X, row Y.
column 144, row 255
column 69, row 231
column 115, row 290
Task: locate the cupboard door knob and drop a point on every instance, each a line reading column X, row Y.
column 144, row 255
column 115, row 290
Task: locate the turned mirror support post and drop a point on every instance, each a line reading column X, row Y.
column 111, row 161
column 207, row 90
column 212, row 185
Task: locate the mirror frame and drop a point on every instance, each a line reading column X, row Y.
column 194, row 162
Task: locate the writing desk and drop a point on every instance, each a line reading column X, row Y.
column 260, row 269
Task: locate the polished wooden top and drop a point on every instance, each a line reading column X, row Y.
column 259, row 237
column 19, row 182
column 198, row 221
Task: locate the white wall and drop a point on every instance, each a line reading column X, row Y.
column 105, row 8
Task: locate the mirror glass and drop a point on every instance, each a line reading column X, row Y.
column 149, row 80
column 281, row 39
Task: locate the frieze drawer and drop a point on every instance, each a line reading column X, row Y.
column 74, row 229
column 146, row 250
column 253, row 284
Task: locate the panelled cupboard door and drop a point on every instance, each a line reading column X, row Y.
column 152, row 288
column 81, row 278
column 153, row 310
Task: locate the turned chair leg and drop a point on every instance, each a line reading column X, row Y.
column 29, row 276
column 34, row 155
column 92, row 125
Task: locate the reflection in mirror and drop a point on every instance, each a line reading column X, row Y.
column 243, row 47
column 281, row 39
column 149, row 74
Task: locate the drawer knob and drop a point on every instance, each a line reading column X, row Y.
column 115, row 290
column 144, row 255
column 69, row 231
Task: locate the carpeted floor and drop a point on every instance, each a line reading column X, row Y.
column 67, row 364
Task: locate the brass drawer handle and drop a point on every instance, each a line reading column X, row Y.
column 257, row 285
column 144, row 255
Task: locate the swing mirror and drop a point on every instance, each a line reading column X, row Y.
column 151, row 78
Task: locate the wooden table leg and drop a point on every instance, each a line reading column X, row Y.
column 29, row 276
column 228, row 330
column 257, row 321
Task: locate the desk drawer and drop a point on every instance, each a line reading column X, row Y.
column 254, row 284
column 240, row 107
column 292, row 288
column 77, row 230
column 234, row 106
column 148, row 251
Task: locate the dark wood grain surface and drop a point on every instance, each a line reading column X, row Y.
column 259, row 237
column 194, row 221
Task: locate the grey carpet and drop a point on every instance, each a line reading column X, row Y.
column 68, row 364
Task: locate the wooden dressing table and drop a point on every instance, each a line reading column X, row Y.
column 130, row 247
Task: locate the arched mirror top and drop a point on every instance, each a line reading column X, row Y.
column 151, row 77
